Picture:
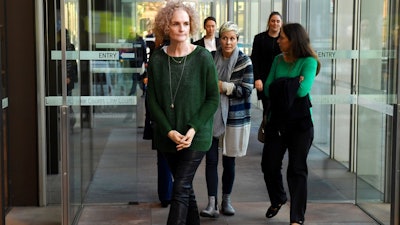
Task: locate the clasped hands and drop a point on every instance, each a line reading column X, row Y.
column 182, row 141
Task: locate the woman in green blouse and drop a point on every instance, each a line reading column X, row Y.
column 289, row 125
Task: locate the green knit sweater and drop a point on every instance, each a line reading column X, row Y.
column 196, row 101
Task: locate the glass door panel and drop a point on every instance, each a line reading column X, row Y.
column 113, row 61
column 320, row 30
column 91, row 157
column 343, row 73
column 62, row 92
column 331, row 92
column 375, row 111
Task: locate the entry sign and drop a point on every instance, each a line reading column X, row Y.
column 106, row 55
column 93, row 55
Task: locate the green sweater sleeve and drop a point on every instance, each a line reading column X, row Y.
column 156, row 106
column 308, row 71
column 211, row 101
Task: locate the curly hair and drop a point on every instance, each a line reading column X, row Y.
column 164, row 15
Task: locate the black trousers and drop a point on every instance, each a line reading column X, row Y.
column 183, row 209
column 297, row 143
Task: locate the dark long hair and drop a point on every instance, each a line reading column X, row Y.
column 300, row 42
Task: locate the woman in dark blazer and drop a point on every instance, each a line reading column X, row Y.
column 265, row 48
column 209, row 41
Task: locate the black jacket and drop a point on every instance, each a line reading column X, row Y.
column 201, row 42
column 287, row 110
column 265, row 48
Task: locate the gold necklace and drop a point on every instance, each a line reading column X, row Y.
column 178, row 61
column 173, row 96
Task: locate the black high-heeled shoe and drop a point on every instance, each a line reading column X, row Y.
column 273, row 210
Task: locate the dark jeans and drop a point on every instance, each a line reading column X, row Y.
column 164, row 178
column 298, row 143
column 212, row 157
column 228, row 174
column 183, row 165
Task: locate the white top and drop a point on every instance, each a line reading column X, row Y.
column 210, row 45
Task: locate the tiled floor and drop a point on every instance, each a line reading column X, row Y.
column 331, row 191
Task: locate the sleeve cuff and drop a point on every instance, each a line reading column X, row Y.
column 227, row 88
